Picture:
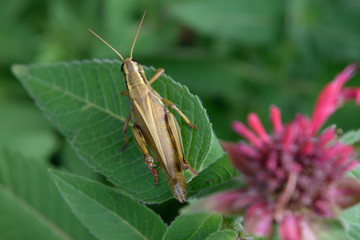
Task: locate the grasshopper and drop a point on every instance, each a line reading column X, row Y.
column 153, row 124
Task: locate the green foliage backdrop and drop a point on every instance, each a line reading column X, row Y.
column 237, row 56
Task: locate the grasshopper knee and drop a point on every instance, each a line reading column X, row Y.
column 149, row 161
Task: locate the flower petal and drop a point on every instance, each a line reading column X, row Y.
column 306, row 231
column 330, row 98
column 351, row 93
column 289, row 228
column 240, row 156
column 346, row 193
column 327, row 136
column 247, row 198
column 225, row 202
column 324, row 208
column 275, row 117
column 242, row 130
column 258, row 219
column 256, row 125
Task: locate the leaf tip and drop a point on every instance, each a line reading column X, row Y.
column 16, row 69
column 55, row 175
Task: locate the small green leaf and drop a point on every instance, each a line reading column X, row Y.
column 192, row 226
column 83, row 100
column 30, row 205
column 355, row 172
column 352, row 215
column 107, row 213
column 351, row 221
column 233, row 222
column 353, row 231
column 351, row 137
column 223, row 234
column 331, row 230
column 261, row 238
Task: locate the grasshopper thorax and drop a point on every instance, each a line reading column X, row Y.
column 133, row 73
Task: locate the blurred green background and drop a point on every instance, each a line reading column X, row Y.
column 238, row 56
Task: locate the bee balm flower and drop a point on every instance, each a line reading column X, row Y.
column 294, row 175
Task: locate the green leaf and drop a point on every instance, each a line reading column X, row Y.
column 351, row 221
column 83, row 100
column 353, row 231
column 208, row 180
column 223, row 234
column 331, row 230
column 262, row 238
column 233, row 222
column 224, row 186
column 193, row 226
column 71, row 162
column 352, row 215
column 30, row 205
column 351, row 137
column 251, row 22
column 356, row 173
column 107, row 213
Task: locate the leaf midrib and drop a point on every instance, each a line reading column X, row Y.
column 200, row 226
column 38, row 215
column 99, row 204
column 70, row 94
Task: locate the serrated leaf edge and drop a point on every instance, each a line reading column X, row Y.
column 54, row 174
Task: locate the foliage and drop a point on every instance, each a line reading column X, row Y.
column 30, row 201
column 237, row 56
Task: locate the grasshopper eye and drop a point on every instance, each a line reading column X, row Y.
column 135, row 61
column 122, row 67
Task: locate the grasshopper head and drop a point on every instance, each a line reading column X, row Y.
column 130, row 65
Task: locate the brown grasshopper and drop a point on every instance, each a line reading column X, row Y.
column 154, row 125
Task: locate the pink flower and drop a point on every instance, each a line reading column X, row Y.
column 294, row 175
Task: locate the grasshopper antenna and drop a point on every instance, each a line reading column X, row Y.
column 137, row 33
column 107, row 44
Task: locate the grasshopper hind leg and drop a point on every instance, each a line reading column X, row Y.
column 141, row 143
column 171, row 105
column 175, row 135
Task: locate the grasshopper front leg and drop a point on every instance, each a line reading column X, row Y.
column 141, row 143
column 158, row 73
column 126, row 125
